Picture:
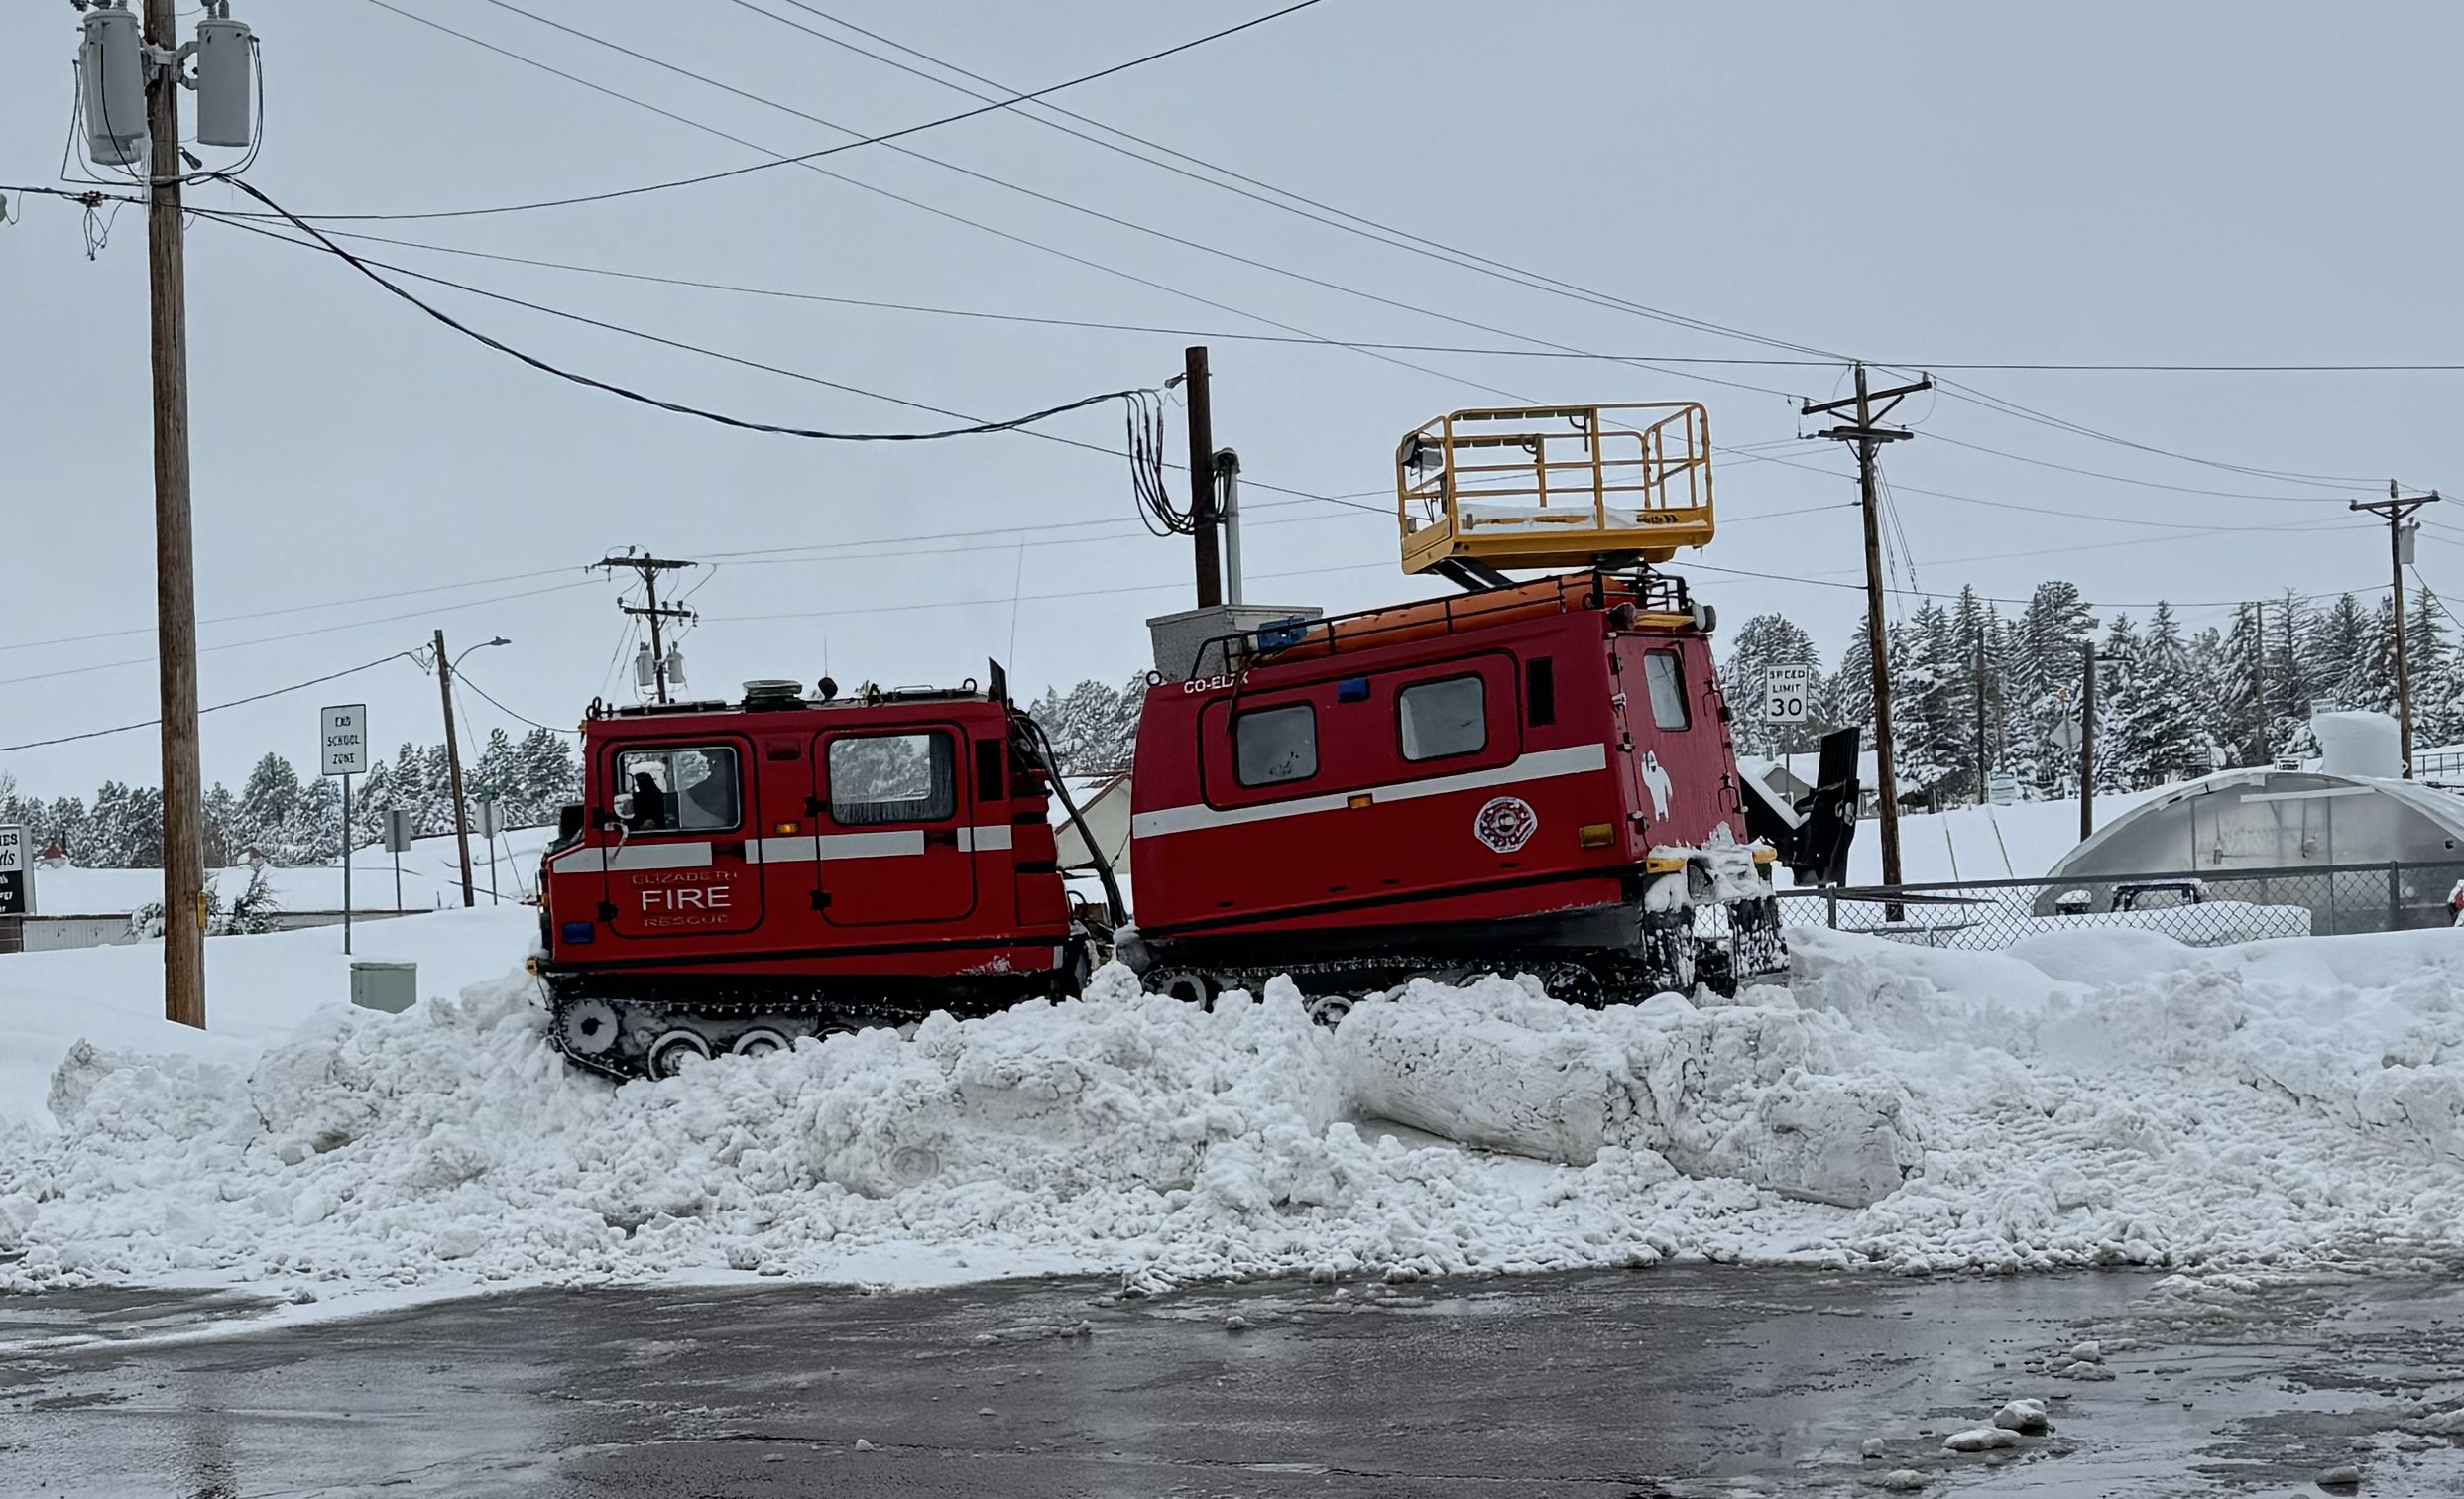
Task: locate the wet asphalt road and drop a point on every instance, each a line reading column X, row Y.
column 1668, row 1382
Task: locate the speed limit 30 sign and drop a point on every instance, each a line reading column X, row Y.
column 1785, row 690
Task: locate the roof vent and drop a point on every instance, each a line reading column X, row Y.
column 771, row 693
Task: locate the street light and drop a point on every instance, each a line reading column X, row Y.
column 482, row 645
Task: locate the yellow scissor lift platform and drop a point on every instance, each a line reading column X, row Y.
column 1555, row 486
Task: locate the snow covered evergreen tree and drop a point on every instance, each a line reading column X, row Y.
column 1764, row 642
column 2052, row 634
column 2160, row 733
column 1094, row 728
column 2118, row 768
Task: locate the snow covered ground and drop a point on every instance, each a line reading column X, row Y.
column 431, row 878
column 2019, row 841
column 2087, row 1097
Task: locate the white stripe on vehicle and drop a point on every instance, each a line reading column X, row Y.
column 1540, row 765
column 890, row 842
column 634, row 856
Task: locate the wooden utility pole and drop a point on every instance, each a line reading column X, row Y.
column 2087, row 739
column 453, row 770
column 175, row 574
column 2259, row 676
column 649, row 568
column 1869, row 439
column 1201, row 507
column 2395, row 508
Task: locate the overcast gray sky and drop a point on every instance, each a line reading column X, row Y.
column 1912, row 184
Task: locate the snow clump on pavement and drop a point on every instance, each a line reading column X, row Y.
column 2085, row 1098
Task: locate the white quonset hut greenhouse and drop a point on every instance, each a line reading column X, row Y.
column 2347, row 837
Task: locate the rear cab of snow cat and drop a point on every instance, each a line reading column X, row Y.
column 752, row 869
column 1508, row 773
column 1531, row 775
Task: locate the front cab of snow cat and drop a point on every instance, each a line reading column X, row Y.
column 1530, row 776
column 742, row 874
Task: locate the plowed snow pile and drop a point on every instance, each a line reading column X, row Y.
column 2091, row 1098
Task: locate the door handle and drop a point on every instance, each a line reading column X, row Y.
column 733, row 849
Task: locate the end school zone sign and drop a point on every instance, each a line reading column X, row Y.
column 343, row 732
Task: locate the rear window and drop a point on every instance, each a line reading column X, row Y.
column 1666, row 681
column 1271, row 745
column 1443, row 718
column 891, row 778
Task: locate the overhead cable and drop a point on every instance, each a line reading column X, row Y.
column 331, row 676
column 886, row 136
column 973, row 429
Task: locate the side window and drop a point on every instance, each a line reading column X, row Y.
column 1442, row 718
column 1275, row 745
column 891, row 778
column 1666, row 682
column 691, row 790
column 1540, row 690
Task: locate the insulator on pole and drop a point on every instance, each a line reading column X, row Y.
column 226, row 113
column 111, row 81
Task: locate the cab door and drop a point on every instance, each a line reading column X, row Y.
column 681, row 868
column 895, row 844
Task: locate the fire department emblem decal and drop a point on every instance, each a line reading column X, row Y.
column 1505, row 824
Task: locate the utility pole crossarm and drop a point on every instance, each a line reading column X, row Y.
column 649, row 568
column 1823, row 408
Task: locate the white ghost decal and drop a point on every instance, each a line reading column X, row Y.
column 1656, row 781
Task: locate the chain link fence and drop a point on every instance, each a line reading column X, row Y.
column 2203, row 909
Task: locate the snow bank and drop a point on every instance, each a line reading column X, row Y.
column 2087, row 1097
column 258, row 990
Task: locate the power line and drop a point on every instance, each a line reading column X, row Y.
column 267, row 613
column 417, row 614
column 990, row 180
column 2179, row 489
column 462, row 679
column 1972, row 394
column 322, row 244
column 1402, row 239
column 1383, row 233
column 974, row 429
column 1075, row 593
column 71, row 738
column 886, row 136
column 1074, row 259
column 1222, row 335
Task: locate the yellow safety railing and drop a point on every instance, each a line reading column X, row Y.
column 1556, row 486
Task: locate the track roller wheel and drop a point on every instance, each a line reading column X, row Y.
column 1572, row 983
column 1328, row 1010
column 760, row 1041
column 1188, row 986
column 675, row 1051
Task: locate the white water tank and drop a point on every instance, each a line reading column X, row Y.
column 2358, row 744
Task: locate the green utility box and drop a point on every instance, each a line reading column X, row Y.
column 388, row 986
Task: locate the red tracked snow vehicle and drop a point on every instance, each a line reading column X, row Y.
column 741, row 875
column 1528, row 778
column 1531, row 777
